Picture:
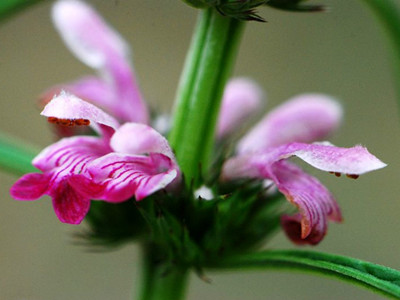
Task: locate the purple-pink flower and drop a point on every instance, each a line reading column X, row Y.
column 285, row 132
column 122, row 162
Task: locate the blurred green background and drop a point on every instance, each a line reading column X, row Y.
column 342, row 52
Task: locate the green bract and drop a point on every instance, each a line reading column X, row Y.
column 295, row 5
column 243, row 10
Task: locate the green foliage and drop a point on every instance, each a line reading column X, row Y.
column 375, row 277
column 16, row 156
column 10, row 7
column 113, row 224
column 187, row 231
column 243, row 10
column 295, row 5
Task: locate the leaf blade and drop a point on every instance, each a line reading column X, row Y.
column 375, row 277
column 16, row 156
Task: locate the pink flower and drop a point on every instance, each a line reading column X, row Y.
column 284, row 133
column 242, row 98
column 123, row 161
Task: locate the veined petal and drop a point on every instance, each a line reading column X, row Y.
column 293, row 228
column 69, row 204
column 71, row 154
column 305, row 118
column 123, row 176
column 242, row 98
column 134, row 138
column 68, row 107
column 315, row 203
column 86, row 33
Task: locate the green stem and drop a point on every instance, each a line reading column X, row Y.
column 208, row 65
column 161, row 281
column 388, row 12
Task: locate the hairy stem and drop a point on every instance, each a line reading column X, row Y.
column 161, row 281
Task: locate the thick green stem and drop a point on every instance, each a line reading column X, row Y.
column 208, row 65
column 161, row 281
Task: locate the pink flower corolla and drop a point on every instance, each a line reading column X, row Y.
column 286, row 132
column 242, row 98
column 100, row 47
column 123, row 161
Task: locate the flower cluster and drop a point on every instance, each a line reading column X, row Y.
column 127, row 159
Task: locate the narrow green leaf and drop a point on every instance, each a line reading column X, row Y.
column 375, row 277
column 388, row 12
column 10, row 7
column 16, row 156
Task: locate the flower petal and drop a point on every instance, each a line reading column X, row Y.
column 315, row 203
column 292, row 227
column 242, row 98
column 305, row 118
column 324, row 156
column 68, row 107
column 70, row 154
column 124, row 176
column 69, row 205
column 128, row 103
column 134, row 138
column 30, row 186
column 86, row 34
